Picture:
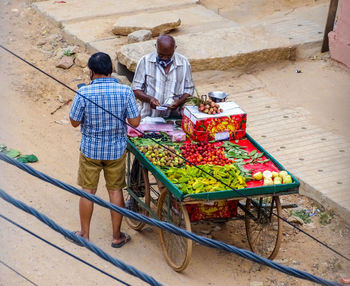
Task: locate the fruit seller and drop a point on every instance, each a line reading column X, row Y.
column 103, row 140
column 162, row 77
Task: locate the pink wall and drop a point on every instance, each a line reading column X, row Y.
column 339, row 40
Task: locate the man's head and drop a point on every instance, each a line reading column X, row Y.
column 165, row 49
column 100, row 64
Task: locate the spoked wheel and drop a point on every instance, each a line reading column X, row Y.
column 264, row 229
column 140, row 186
column 176, row 249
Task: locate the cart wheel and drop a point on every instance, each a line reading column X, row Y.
column 264, row 232
column 176, row 249
column 143, row 186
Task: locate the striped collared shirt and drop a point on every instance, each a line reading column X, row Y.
column 151, row 78
column 103, row 135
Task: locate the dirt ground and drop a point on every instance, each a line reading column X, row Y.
column 26, row 102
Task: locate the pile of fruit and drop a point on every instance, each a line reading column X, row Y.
column 273, row 178
column 205, row 105
column 204, row 153
column 161, row 157
column 210, row 107
column 191, row 180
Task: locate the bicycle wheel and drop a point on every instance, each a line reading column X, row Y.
column 142, row 186
column 176, row 249
column 264, row 229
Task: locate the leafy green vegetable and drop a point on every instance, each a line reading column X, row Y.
column 27, row 159
column 12, row 153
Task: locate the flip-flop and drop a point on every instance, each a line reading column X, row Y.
column 120, row 244
column 77, row 242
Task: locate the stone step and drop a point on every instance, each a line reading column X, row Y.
column 77, row 10
column 218, row 49
column 96, row 34
column 192, row 18
column 274, row 39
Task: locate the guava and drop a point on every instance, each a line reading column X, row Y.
column 287, row 179
column 274, row 174
column 268, row 181
column 258, row 176
column 277, row 181
column 282, row 174
column 267, row 174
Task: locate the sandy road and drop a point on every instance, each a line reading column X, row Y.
column 26, row 100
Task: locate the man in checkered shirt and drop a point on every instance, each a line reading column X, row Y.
column 103, row 140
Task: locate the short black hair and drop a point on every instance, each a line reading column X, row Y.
column 100, row 63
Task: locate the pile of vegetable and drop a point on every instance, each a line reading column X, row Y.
column 237, row 152
column 191, row 180
column 151, row 139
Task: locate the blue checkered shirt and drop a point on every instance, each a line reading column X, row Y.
column 103, row 135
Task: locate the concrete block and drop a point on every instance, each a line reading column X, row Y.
column 157, row 23
column 139, row 36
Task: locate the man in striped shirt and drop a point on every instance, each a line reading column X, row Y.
column 101, row 109
column 162, row 78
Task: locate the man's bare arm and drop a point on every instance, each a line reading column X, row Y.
column 134, row 121
column 74, row 123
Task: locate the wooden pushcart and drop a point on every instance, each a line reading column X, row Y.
column 259, row 207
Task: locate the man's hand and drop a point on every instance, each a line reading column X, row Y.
column 154, row 103
column 179, row 102
column 175, row 105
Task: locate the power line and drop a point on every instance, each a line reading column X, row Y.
column 160, row 224
column 19, row 274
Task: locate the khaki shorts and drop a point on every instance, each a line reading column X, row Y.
column 89, row 172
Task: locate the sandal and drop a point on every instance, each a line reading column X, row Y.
column 77, row 242
column 120, row 244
